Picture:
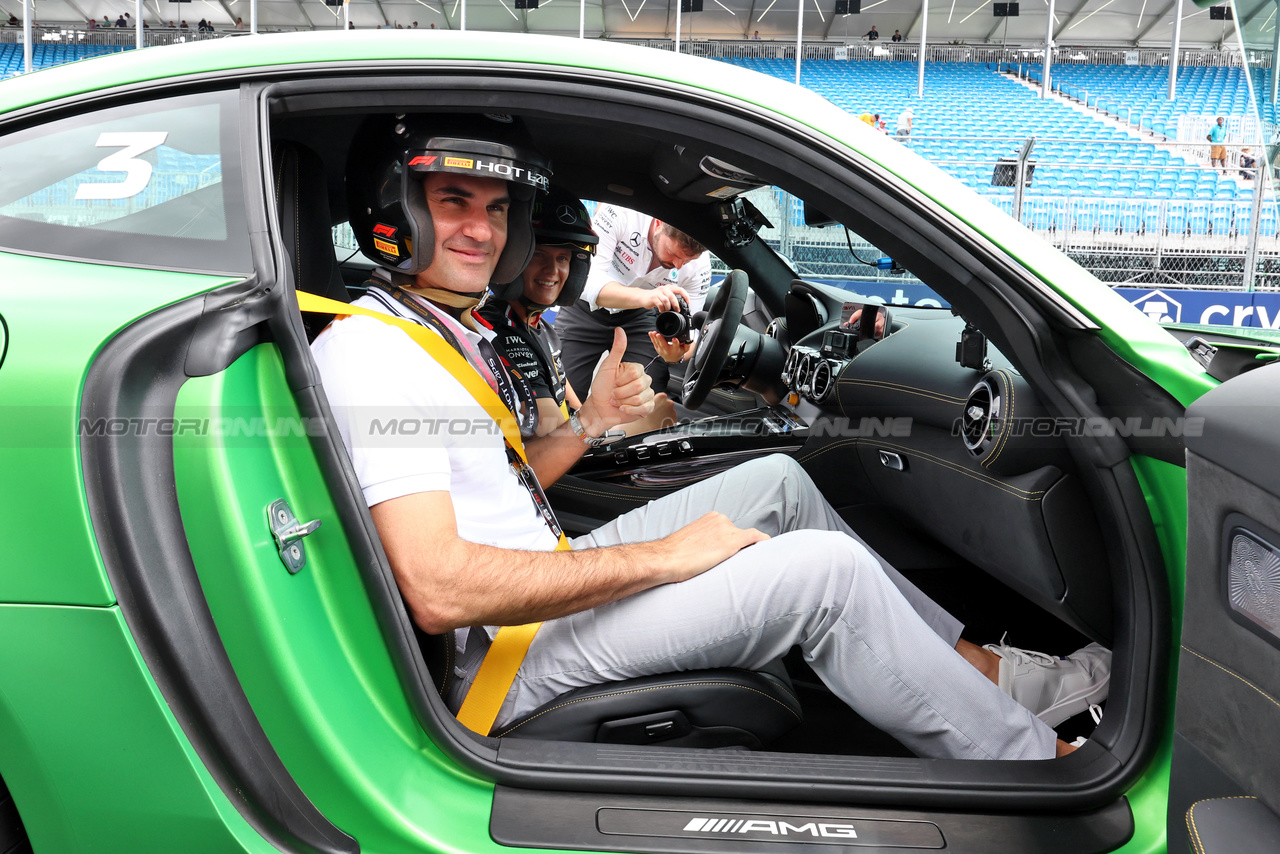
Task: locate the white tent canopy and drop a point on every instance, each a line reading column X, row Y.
column 1146, row 23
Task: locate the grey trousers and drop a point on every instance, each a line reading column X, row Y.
column 876, row 640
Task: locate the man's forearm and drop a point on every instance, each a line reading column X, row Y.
column 554, row 453
column 489, row 586
column 618, row 295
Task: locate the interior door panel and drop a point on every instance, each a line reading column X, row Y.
column 1225, row 786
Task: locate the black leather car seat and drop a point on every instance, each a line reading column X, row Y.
column 306, row 224
column 704, row 708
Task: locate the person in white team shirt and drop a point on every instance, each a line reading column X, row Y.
column 640, row 266
column 666, row 587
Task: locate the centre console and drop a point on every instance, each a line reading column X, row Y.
column 693, row 450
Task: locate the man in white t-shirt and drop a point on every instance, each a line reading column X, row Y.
column 641, row 265
column 664, row 588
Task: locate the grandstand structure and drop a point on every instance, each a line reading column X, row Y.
column 1121, row 178
column 1131, row 202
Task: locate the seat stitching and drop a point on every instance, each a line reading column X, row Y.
column 645, row 690
column 922, row 392
column 1191, row 819
column 448, row 664
column 1271, row 699
column 630, row 499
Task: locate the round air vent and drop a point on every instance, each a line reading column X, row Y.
column 801, row 375
column 980, row 420
column 820, row 382
column 789, row 369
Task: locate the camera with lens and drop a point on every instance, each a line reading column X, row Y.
column 676, row 324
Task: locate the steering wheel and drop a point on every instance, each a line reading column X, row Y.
column 715, row 338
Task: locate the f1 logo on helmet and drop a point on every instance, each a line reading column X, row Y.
column 423, row 160
column 384, row 230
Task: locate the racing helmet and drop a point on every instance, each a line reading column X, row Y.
column 559, row 219
column 390, row 155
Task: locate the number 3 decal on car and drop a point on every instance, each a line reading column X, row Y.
column 138, row 171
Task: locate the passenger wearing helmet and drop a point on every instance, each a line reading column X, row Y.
column 666, row 587
column 555, row 276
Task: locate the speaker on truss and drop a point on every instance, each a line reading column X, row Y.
column 848, row 7
column 526, row 4
column 687, row 6
column 1004, row 10
column 1220, row 13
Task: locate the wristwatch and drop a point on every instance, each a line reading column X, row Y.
column 606, row 438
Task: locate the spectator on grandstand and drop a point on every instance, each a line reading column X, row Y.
column 239, row 23
column 1217, row 136
column 93, row 22
column 905, row 118
column 1248, row 163
column 106, row 22
column 897, row 36
column 183, row 26
column 755, row 37
column 415, row 25
column 872, row 119
column 120, row 22
column 351, row 25
column 872, row 35
column 13, row 20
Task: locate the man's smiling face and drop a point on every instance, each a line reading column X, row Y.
column 546, row 274
column 469, row 216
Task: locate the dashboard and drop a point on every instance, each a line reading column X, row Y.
column 967, row 452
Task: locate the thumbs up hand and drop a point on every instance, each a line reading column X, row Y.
column 619, row 393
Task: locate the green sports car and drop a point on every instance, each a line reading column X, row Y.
column 187, row 663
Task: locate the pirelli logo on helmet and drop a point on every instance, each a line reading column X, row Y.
column 506, row 169
column 386, row 247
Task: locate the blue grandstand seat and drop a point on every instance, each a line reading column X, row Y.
column 1198, row 217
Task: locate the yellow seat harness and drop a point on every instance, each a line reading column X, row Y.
column 502, row 661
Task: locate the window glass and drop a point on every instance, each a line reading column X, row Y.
column 834, row 255
column 153, row 184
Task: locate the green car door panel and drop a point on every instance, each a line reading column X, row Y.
column 50, row 554
column 85, row 741
column 306, row 646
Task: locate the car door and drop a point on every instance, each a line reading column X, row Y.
column 1225, row 780
column 127, row 270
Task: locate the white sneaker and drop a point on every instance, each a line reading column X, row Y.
column 1095, row 712
column 1054, row 689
